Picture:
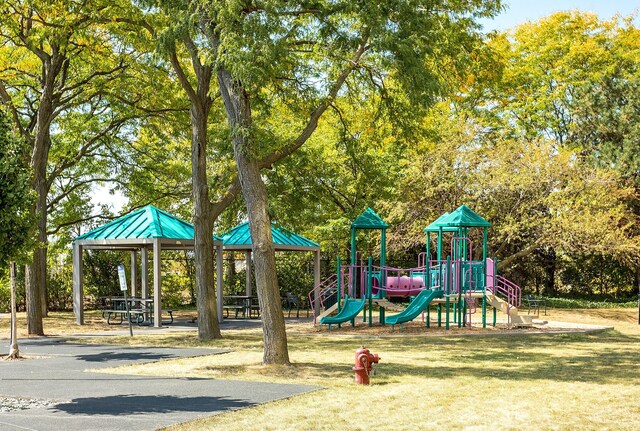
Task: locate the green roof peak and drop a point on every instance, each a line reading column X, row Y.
column 463, row 216
column 369, row 220
column 437, row 224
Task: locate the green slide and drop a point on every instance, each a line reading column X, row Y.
column 349, row 311
column 417, row 306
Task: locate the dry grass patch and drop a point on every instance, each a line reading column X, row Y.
column 499, row 380
column 563, row 382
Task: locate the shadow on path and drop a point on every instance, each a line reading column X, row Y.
column 122, row 405
column 124, row 356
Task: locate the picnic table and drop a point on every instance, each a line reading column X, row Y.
column 241, row 304
column 140, row 310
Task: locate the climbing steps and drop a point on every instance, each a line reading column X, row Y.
column 503, row 306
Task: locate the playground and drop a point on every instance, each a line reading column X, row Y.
column 461, row 282
column 505, row 379
column 458, row 348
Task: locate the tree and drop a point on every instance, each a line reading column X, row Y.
column 541, row 199
column 16, row 224
column 301, row 55
column 570, row 78
column 58, row 61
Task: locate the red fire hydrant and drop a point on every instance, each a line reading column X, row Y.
column 364, row 364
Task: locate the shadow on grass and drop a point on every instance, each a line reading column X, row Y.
column 600, row 358
column 122, row 405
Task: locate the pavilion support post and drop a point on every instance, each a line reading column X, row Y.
column 219, row 280
column 144, row 276
column 78, row 306
column 157, row 284
column 248, row 266
column 134, row 272
column 316, row 283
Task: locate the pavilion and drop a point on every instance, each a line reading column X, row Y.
column 144, row 230
column 238, row 238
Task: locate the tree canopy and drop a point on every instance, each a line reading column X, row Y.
column 313, row 111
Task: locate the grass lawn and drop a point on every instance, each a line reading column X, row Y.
column 429, row 380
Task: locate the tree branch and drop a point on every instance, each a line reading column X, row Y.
column 312, row 124
column 6, row 98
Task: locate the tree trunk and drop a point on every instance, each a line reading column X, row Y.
column 550, row 270
column 238, row 110
column 14, row 352
column 36, row 277
column 208, row 326
column 188, row 268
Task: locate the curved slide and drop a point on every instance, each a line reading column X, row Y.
column 349, row 311
column 417, row 306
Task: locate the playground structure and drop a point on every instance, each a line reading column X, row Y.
column 459, row 284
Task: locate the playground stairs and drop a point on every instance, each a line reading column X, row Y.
column 328, row 311
column 503, row 306
column 388, row 305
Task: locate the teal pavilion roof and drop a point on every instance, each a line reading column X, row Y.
column 147, row 222
column 239, row 238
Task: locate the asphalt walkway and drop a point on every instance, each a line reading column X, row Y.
column 67, row 397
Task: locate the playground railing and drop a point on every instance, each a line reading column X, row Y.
column 322, row 293
column 511, row 292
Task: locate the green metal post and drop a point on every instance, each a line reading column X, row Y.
column 495, row 316
column 369, row 276
column 484, row 310
column 354, row 250
column 383, row 247
column 440, row 244
column 440, row 315
column 448, row 290
column 353, row 246
column 428, row 248
column 426, row 261
column 484, row 277
column 465, row 308
column 428, row 317
column 383, row 272
column 339, row 285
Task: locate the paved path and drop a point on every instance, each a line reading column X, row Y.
column 83, row 401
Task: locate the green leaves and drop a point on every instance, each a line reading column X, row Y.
column 16, row 198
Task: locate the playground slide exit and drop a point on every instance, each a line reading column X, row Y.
column 417, row 306
column 350, row 309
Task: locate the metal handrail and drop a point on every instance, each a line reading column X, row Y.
column 318, row 293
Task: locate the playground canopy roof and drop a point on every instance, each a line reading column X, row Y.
column 463, row 216
column 369, row 220
column 239, row 238
column 146, row 223
column 436, row 225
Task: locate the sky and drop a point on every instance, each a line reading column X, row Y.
column 516, row 12
column 520, row 11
